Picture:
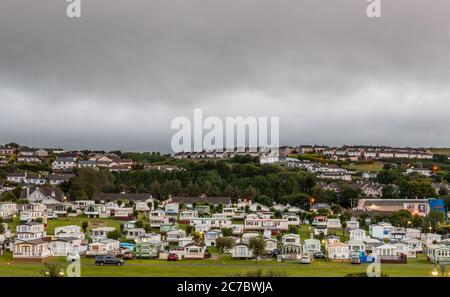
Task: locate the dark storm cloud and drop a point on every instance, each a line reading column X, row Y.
column 117, row 77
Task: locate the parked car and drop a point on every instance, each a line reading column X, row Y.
column 128, row 256
column 172, row 257
column 319, row 255
column 108, row 260
column 306, row 259
column 72, row 257
column 207, row 255
column 275, row 252
column 356, row 260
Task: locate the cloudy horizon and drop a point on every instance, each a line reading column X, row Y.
column 116, row 78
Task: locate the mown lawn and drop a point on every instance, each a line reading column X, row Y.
column 222, row 267
column 365, row 167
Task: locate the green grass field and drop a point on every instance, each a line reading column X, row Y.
column 222, row 267
column 365, row 167
column 441, row 151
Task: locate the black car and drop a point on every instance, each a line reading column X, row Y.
column 319, row 255
column 108, row 260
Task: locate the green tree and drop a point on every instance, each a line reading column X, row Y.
column 224, row 243
column 226, row 232
column 84, row 226
column 116, row 234
column 52, row 270
column 258, row 246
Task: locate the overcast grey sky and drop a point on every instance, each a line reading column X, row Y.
column 118, row 76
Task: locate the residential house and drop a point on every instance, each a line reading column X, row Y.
column 70, row 231
column 60, row 247
column 33, row 212
column 352, row 224
column 101, row 233
column 356, row 246
column 290, row 239
column 241, row 251
column 187, row 215
column 414, row 244
column 205, row 224
column 338, row 251
column 103, row 247
column 258, row 224
column 45, row 195
column 174, row 236
column 381, row 230
column 311, row 246
column 248, row 235
column 56, row 179
column 420, row 171
column 30, row 231
column 95, row 211
column 133, row 233
column 334, row 224
column 37, row 249
column 270, row 245
column 194, row 251
column 64, row 164
column 437, row 252
column 357, row 234
column 149, row 249
column 293, row 220
column 211, row 237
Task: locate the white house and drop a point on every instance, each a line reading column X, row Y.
column 211, row 236
column 30, row 231
column 356, row 246
column 33, row 212
column 311, row 246
column 101, row 233
column 64, row 164
column 205, row 224
column 338, row 251
column 241, row 250
column 175, row 235
column 31, row 250
column 387, row 251
column 270, row 244
column 430, row 238
column 133, row 233
column 187, row 215
column 248, row 235
column 171, row 207
column 257, row 224
column 436, row 252
column 103, row 247
column 357, row 234
column 414, row 244
column 194, row 251
column 334, row 224
column 413, row 233
column 71, row 231
column 381, row 230
column 254, row 207
column 60, row 247
column 293, row 220
column 421, row 171
column 352, row 224
column 95, row 211
column 45, row 195
column 290, row 239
